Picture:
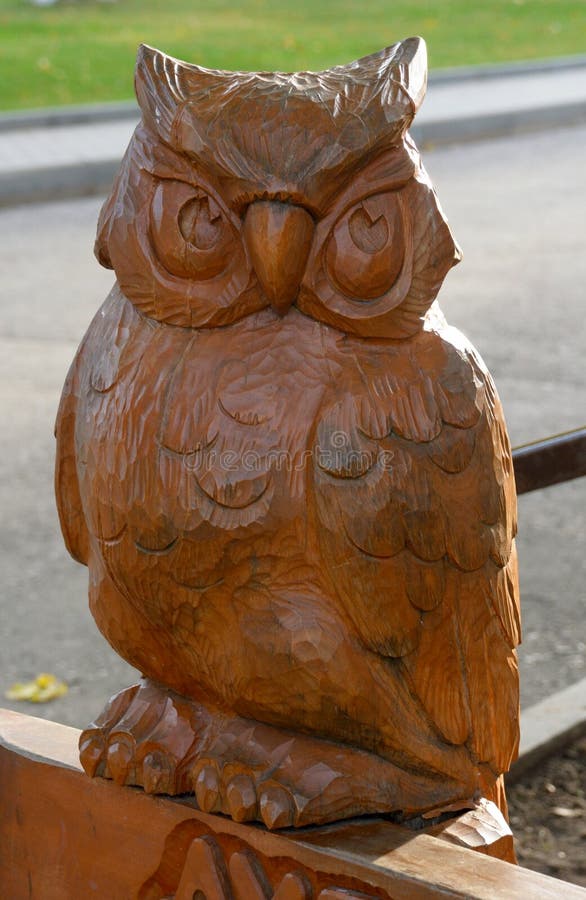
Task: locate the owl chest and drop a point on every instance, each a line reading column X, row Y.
column 252, row 425
column 233, row 438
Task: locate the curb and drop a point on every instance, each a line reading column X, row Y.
column 56, row 116
column 549, row 726
column 57, row 183
column 88, row 179
column 506, row 70
column 483, row 127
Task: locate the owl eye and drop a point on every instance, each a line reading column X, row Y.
column 364, row 253
column 201, row 223
column 190, row 232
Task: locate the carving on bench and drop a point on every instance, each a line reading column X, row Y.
column 289, row 478
column 209, row 869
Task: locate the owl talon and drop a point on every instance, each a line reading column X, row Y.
column 120, row 757
column 241, row 798
column 158, row 773
column 91, row 751
column 207, row 787
column 276, row 807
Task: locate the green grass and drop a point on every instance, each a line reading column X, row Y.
column 84, row 51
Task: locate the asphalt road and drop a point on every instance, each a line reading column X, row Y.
column 518, row 208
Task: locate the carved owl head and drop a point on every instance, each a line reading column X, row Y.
column 246, row 190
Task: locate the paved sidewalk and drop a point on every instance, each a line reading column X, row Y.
column 37, row 148
column 42, row 163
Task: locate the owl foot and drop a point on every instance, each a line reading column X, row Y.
column 147, row 736
column 152, row 737
column 253, row 771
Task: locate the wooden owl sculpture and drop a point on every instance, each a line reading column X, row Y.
column 290, row 480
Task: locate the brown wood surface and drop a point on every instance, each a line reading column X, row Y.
column 64, row 836
column 289, row 478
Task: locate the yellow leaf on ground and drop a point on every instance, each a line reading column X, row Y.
column 45, row 687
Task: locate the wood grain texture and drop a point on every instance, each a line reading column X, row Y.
column 290, row 479
column 64, row 836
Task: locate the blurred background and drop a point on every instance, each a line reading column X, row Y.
column 57, row 52
column 503, row 133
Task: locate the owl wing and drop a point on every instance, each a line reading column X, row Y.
column 67, row 493
column 416, row 501
column 92, row 425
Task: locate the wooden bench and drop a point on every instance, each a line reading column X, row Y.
column 64, row 836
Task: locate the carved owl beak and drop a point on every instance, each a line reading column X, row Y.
column 278, row 236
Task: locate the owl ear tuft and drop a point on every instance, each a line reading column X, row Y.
column 386, row 87
column 410, row 69
column 401, row 66
column 157, row 90
column 163, row 84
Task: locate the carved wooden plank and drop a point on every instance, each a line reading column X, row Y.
column 64, row 836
